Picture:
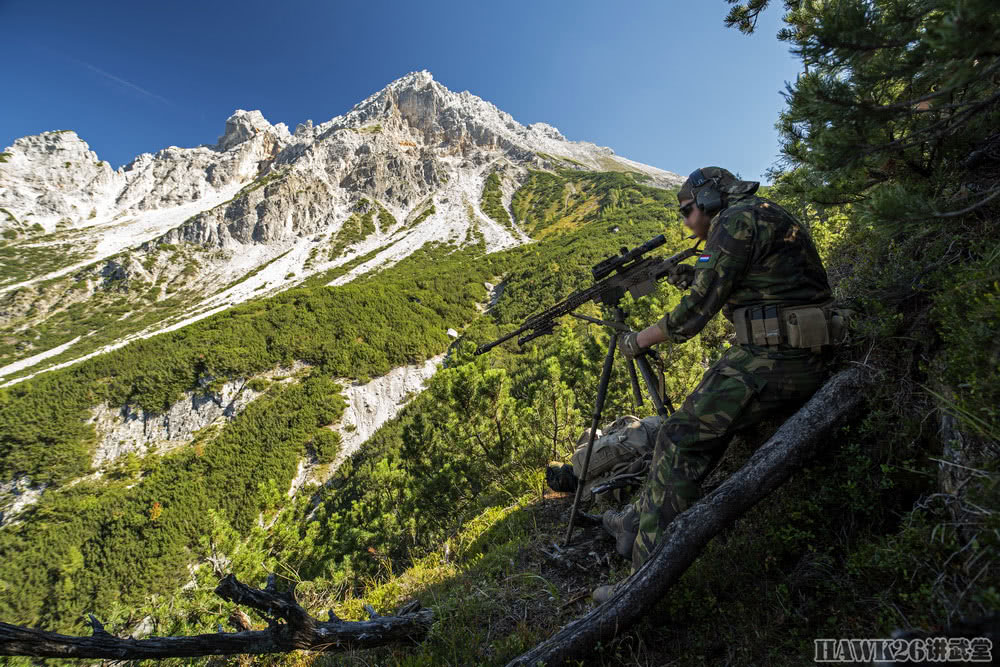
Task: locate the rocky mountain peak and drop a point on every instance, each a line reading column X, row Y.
column 50, row 174
column 59, row 146
column 547, row 131
column 416, row 80
column 244, row 125
column 261, row 209
column 433, row 115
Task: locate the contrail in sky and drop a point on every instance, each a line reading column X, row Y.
column 123, row 82
column 97, row 70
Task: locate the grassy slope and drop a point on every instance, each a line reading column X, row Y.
column 101, row 310
column 44, row 435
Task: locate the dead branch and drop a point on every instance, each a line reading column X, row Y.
column 769, row 467
column 290, row 628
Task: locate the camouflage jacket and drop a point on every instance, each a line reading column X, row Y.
column 756, row 253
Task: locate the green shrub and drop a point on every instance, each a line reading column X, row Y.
column 258, row 384
column 492, row 201
column 326, row 445
column 426, row 213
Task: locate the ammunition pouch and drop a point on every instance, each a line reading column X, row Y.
column 803, row 327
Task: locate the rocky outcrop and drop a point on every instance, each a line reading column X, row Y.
column 121, row 430
column 55, row 180
column 373, row 403
column 124, row 430
column 245, row 125
column 54, row 177
column 16, row 495
column 274, row 211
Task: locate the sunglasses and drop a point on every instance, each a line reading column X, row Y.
column 687, row 208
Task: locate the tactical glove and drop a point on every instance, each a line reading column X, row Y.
column 681, row 276
column 628, row 345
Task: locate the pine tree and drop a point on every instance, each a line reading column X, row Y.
column 894, row 92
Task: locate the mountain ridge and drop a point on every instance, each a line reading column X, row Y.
column 260, row 210
column 460, row 120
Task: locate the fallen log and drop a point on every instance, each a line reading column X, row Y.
column 770, row 466
column 299, row 631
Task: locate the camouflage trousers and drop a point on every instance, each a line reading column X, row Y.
column 744, row 387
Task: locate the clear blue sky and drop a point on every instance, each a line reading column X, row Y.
column 659, row 81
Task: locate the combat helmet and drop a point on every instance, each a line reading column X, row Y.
column 708, row 187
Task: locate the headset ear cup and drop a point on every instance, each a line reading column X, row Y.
column 709, row 198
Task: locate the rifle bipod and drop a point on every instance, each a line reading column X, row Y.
column 617, row 328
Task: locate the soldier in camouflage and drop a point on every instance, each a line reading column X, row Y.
column 758, row 265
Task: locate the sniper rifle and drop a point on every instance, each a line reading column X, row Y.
column 628, row 271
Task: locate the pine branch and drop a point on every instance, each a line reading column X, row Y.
column 952, row 214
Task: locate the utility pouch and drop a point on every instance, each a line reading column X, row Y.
column 741, row 326
column 839, row 320
column 807, row 327
column 803, row 327
column 772, row 326
column 758, row 325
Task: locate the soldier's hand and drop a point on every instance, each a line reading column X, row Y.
column 628, row 345
column 681, row 276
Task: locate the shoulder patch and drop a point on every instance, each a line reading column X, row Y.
column 706, row 260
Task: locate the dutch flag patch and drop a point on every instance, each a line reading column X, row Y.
column 707, row 257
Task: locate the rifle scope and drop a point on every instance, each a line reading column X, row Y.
column 606, row 266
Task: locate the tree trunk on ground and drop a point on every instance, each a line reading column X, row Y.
column 299, row 631
column 769, row 467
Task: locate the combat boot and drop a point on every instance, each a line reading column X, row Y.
column 624, row 526
column 560, row 477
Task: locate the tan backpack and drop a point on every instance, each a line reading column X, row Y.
column 620, row 457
